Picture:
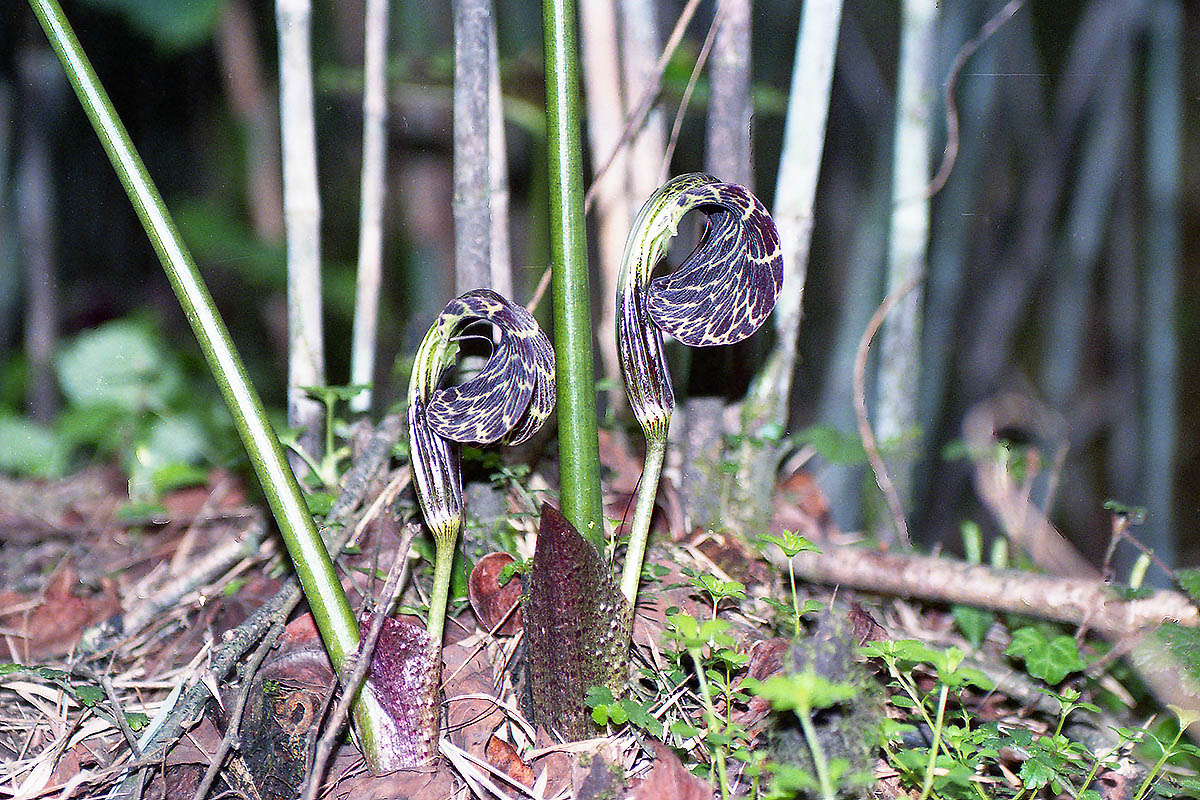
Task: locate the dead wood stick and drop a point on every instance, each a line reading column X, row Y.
column 1062, row 599
column 1130, row 624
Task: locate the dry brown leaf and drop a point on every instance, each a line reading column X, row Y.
column 53, row 626
column 503, row 756
column 668, row 778
column 492, row 602
column 467, row 671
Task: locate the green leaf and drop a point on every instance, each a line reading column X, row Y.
column 137, row 720
column 1050, row 660
column 972, row 622
column 684, row 730
column 319, row 503
column 1189, row 581
column 791, row 543
column 121, row 363
column 27, row 448
column 177, row 475
column 87, row 694
column 139, row 513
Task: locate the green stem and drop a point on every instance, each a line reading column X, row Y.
column 1167, row 752
column 795, row 600
column 639, row 530
column 937, row 742
column 818, row 752
column 444, row 546
column 576, row 387
column 710, row 711
column 330, row 609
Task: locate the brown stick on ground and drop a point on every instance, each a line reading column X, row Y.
column 1063, row 599
column 1128, row 623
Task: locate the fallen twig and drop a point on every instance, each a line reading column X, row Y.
column 1053, row 597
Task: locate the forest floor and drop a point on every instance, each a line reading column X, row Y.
column 110, row 610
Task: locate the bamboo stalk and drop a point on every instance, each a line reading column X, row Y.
column 765, row 411
column 1163, row 166
column 641, row 44
column 1078, row 251
column 605, row 116
column 374, row 171
column 575, row 385
column 302, row 219
column 501, row 255
column 900, row 343
column 35, row 206
column 236, row 48
column 472, row 181
column 727, row 155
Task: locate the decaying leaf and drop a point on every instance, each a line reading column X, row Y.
column 491, row 602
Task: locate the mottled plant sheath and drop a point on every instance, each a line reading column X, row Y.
column 576, row 625
column 721, row 294
column 579, row 449
column 506, row 402
column 332, row 613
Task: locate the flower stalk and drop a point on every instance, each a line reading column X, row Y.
column 721, row 294
column 506, row 402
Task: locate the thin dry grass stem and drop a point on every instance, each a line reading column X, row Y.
column 473, row 770
column 360, row 664
column 701, row 60
column 950, row 154
column 860, row 407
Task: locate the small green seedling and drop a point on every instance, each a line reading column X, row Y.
column 792, row 544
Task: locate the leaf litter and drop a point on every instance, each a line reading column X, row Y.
column 54, row 744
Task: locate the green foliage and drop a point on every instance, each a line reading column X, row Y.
column 606, row 709
column 27, row 448
column 1050, row 659
column 128, row 397
column 170, row 24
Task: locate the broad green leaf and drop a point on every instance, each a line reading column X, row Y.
column 121, row 363
column 27, row 448
column 972, row 622
column 1051, row 660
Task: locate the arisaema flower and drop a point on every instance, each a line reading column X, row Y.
column 506, row 403
column 721, row 294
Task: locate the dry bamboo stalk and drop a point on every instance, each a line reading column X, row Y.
column 472, row 181
column 766, row 408
column 236, row 48
column 641, row 45
column 302, row 218
column 374, row 172
column 501, row 256
column 39, row 72
column 605, row 117
column 899, row 362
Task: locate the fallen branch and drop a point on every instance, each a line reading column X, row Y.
column 1062, row 599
